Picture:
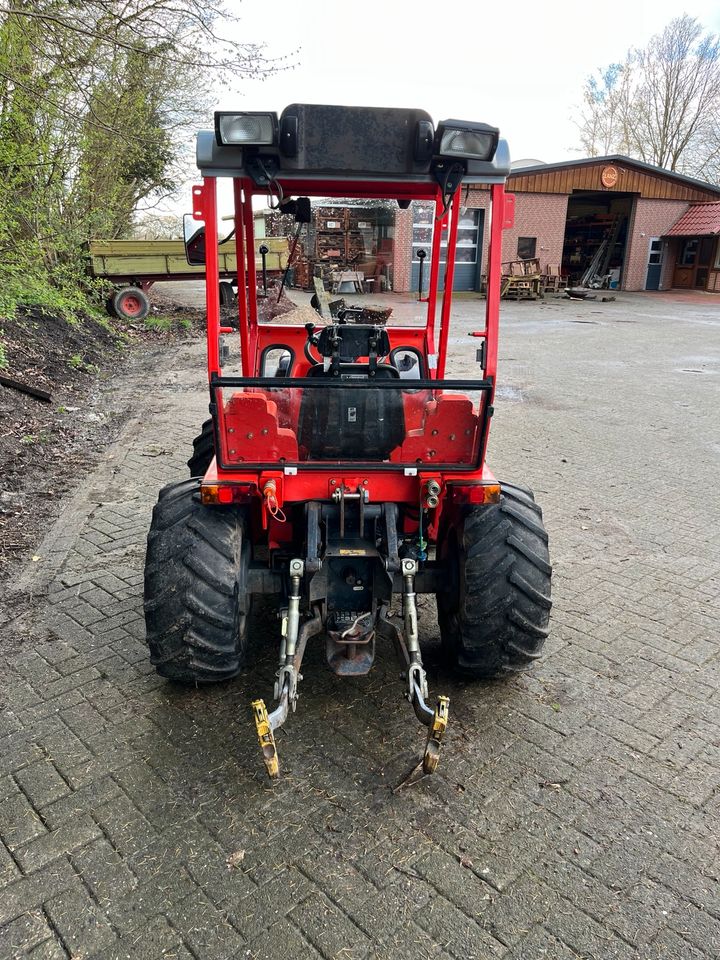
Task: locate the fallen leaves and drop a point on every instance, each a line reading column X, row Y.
column 235, row 859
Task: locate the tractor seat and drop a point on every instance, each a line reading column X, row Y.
column 351, row 423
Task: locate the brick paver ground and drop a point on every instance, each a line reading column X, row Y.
column 576, row 811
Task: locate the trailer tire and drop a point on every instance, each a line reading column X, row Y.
column 203, row 450
column 196, row 598
column 227, row 294
column 495, row 610
column 131, row 303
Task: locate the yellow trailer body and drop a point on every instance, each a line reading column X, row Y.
column 144, row 261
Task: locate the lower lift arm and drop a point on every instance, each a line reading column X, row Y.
column 292, row 649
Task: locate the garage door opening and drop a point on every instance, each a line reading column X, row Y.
column 596, row 233
column 467, row 251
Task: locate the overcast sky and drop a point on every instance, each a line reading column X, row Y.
column 519, row 65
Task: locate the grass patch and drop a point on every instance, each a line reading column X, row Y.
column 158, row 323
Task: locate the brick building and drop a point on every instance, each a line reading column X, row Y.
column 615, row 212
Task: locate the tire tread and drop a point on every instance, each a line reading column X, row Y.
column 195, row 600
column 495, row 619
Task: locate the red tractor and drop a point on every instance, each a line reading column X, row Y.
column 340, row 468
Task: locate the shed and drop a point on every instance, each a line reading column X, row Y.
column 694, row 244
column 569, row 210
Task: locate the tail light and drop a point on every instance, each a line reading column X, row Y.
column 225, row 493
column 474, row 492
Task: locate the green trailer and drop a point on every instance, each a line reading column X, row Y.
column 132, row 266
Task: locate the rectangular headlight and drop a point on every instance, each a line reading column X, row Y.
column 472, row 141
column 246, row 129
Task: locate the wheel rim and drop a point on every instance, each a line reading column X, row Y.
column 131, row 305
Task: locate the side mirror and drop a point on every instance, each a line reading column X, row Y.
column 194, row 239
column 299, row 208
column 276, row 362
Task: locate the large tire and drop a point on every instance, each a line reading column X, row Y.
column 495, row 611
column 196, row 598
column 203, row 450
column 131, row 303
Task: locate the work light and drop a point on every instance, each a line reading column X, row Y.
column 462, row 139
column 246, row 129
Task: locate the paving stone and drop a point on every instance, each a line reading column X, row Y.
column 282, row 939
column 128, row 831
column 386, row 915
column 329, row 929
column 205, row 928
column 458, row 934
column 49, row 950
column 20, row 936
column 456, row 882
column 539, row 944
column 668, row 945
column 154, row 939
column 697, row 926
column 582, row 798
column 586, row 936
column 29, row 892
column 9, row 870
column 272, row 901
column 130, row 910
column 80, row 802
column 104, row 871
column 525, row 905
column 19, row 822
column 41, row 783
column 81, row 925
column 68, row 837
column 409, row 940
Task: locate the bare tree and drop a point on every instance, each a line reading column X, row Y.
column 661, row 104
column 162, row 226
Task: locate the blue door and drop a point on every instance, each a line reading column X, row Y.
column 655, row 264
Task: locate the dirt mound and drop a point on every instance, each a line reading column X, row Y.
column 44, row 446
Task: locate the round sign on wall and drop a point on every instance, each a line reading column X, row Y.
column 609, row 176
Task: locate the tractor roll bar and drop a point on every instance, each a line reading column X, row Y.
column 205, row 209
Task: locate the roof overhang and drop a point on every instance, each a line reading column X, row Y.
column 609, row 161
column 699, row 220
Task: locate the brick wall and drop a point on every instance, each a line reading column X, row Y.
column 403, row 238
column 543, row 215
column 650, row 218
column 402, row 250
column 540, row 215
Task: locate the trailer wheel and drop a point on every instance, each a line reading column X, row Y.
column 196, row 596
column 131, row 303
column 495, row 610
column 203, row 450
column 227, row 294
